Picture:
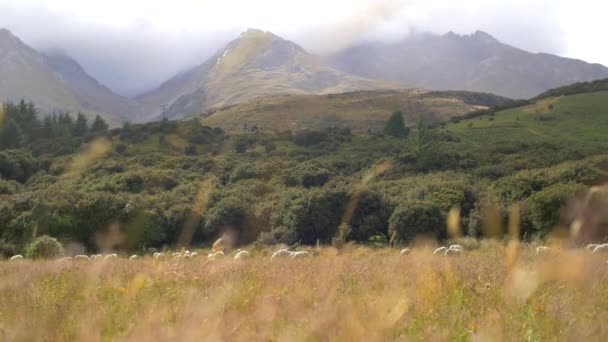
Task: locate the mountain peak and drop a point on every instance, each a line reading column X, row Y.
column 7, row 36
column 484, row 36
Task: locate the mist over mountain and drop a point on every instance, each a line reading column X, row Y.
column 257, row 63
column 56, row 83
column 476, row 62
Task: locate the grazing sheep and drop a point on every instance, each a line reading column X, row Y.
column 216, row 255
column 82, row 257
column 300, row 254
column 453, row 251
column 405, row 251
column 240, row 255
column 64, row 259
column 590, row 247
column 193, row 254
column 176, row 254
column 17, row 257
column 281, row 253
column 133, row 257
column 458, row 247
column 158, row 255
column 542, row 249
column 110, row 256
column 439, row 250
column 601, row 248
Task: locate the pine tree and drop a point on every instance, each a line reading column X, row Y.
column 99, row 125
column 11, row 135
column 81, row 126
column 395, row 126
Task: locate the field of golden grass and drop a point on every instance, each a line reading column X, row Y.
column 492, row 293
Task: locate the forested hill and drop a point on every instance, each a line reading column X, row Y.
column 153, row 185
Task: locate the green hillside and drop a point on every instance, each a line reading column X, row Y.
column 360, row 111
column 168, row 183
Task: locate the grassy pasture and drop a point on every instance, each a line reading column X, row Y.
column 494, row 292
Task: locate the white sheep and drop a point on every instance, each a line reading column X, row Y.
column 17, row 257
column 158, row 255
column 453, row 251
column 110, row 256
column 81, row 257
column 64, row 259
column 440, row 250
column 542, row 249
column 216, row 255
column 281, row 253
column 300, row 254
column 405, row 251
column 240, row 255
column 590, row 247
column 133, row 257
column 601, row 248
column 456, row 247
column 193, row 254
column 176, row 254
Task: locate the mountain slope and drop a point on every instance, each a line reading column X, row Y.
column 255, row 64
column 90, row 94
column 55, row 83
column 360, row 111
column 476, row 62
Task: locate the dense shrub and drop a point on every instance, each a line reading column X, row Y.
column 412, row 219
column 308, row 175
column 545, row 206
column 44, row 247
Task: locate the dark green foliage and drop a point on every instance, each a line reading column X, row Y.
column 18, row 165
column 10, row 135
column 99, row 125
column 80, row 126
column 545, row 206
column 395, row 126
column 576, row 88
column 44, row 247
column 416, row 218
column 311, row 215
column 309, row 175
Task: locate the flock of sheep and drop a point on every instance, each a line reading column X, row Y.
column 285, row 253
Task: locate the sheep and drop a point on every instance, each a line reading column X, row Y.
column 542, row 249
column 439, row 250
column 590, row 247
column 216, row 255
column 133, row 257
column 281, row 253
column 453, row 251
column 193, row 254
column 300, row 254
column 459, row 247
column 240, row 255
column 405, row 251
column 176, row 255
column 82, row 257
column 110, row 256
column 158, row 255
column 601, row 248
column 17, row 257
column 64, row 259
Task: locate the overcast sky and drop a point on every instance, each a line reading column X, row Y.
column 132, row 45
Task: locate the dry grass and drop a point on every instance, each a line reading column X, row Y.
column 353, row 295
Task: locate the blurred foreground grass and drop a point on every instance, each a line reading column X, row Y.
column 491, row 293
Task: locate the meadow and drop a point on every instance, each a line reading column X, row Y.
column 496, row 291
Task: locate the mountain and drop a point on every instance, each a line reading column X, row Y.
column 360, row 111
column 476, row 62
column 91, row 95
column 55, row 83
column 255, row 64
